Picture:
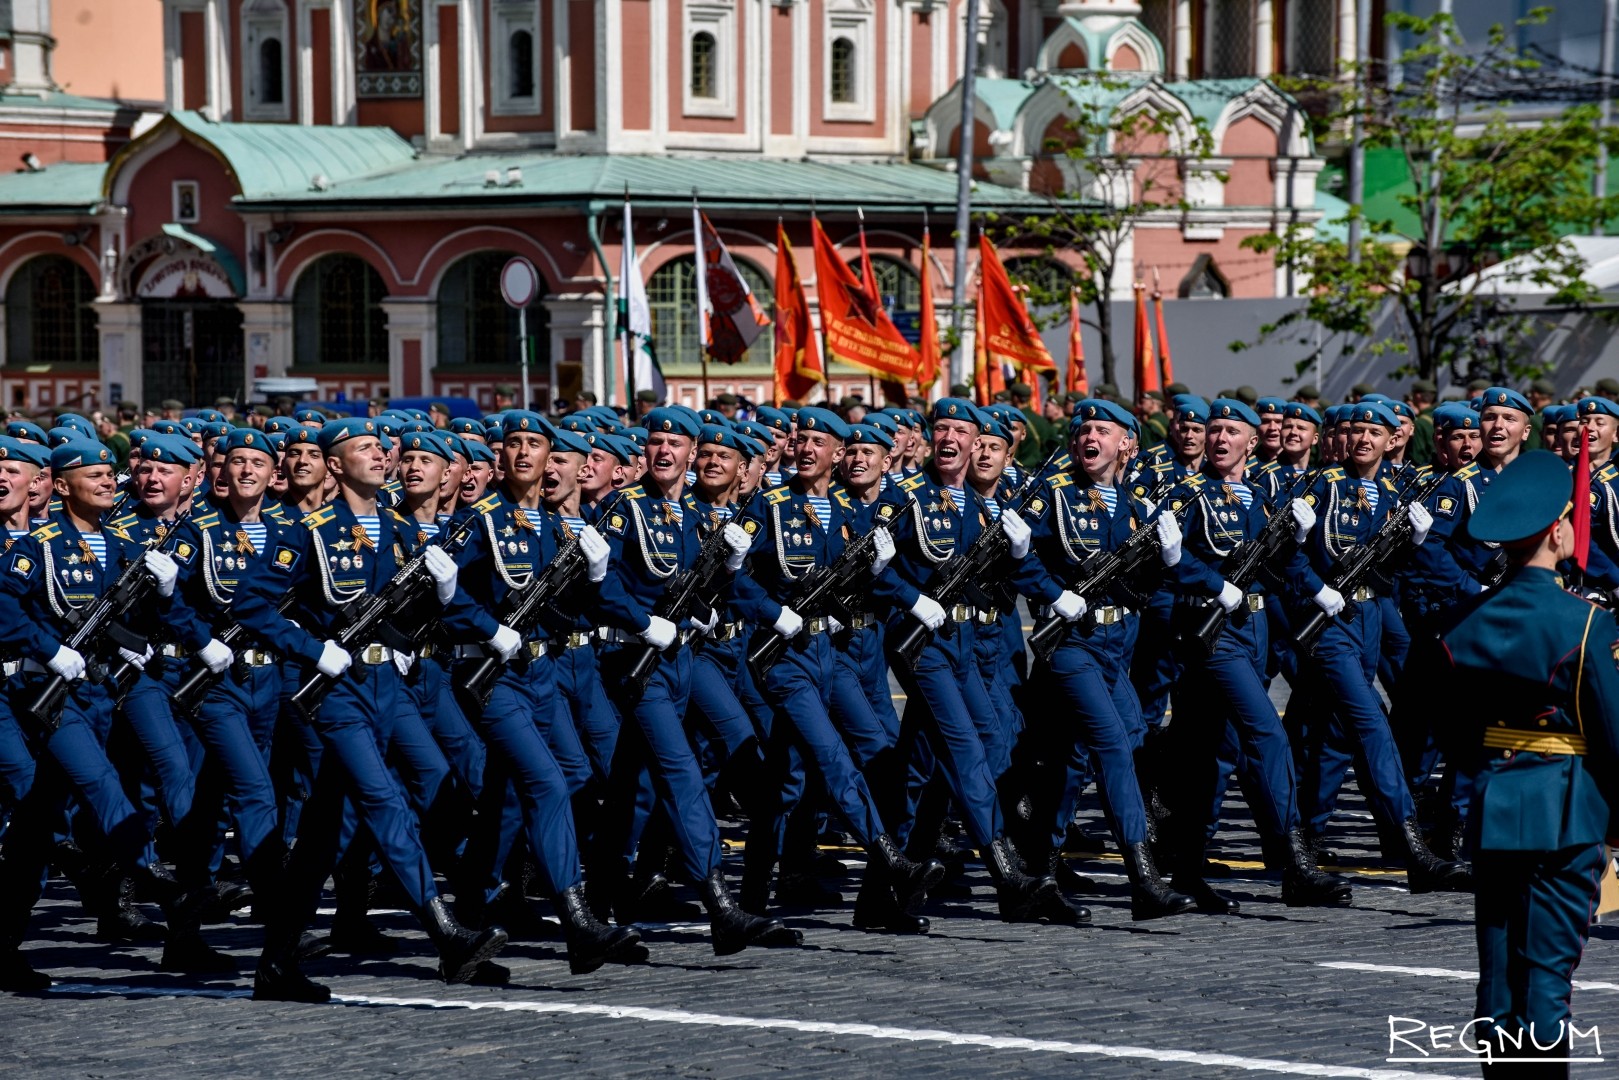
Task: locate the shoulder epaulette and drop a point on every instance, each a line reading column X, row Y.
column 399, row 519
column 393, row 485
column 202, row 521
column 319, row 517
column 1608, row 472
column 1267, row 468
column 843, row 499
column 778, row 495
column 278, row 514
column 1332, row 474
column 1062, row 479
column 487, row 503
column 48, row 531
column 636, row 492
column 1196, row 479
column 120, row 533
column 1467, row 472
column 123, row 521
column 913, row 481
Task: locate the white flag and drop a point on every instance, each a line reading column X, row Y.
column 635, row 318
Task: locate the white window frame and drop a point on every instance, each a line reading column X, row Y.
column 718, row 19
column 506, row 18
column 263, row 19
column 857, row 22
column 177, row 188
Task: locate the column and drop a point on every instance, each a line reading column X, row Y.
column 412, row 345
column 1264, row 39
column 1183, row 39
column 267, row 340
column 119, row 326
column 578, row 345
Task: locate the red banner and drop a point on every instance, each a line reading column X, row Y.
column 988, row 378
column 1009, row 334
column 798, row 354
column 858, row 330
column 928, row 372
column 1146, row 369
column 1078, row 383
column 1163, row 338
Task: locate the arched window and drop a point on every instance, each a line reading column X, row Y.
column 1230, row 38
column 1311, row 38
column 672, row 295
column 270, row 91
column 337, row 315
column 520, row 65
column 49, row 317
column 843, row 72
column 1048, row 280
column 475, row 326
column 703, row 73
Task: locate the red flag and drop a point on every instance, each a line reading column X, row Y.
column 1581, row 516
column 1146, row 371
column 928, row 371
column 1077, row 382
column 988, row 378
column 1010, row 336
column 1163, row 339
column 798, row 354
column 858, row 330
column 893, row 389
column 736, row 319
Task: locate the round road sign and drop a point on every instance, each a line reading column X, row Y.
column 519, row 282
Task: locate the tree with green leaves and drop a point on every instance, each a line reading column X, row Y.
column 1117, row 161
column 1484, row 187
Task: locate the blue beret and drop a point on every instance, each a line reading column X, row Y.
column 171, row 427
column 1506, row 398
column 750, row 448
column 1006, row 414
column 211, row 416
column 1455, row 415
column 754, row 430
column 1375, row 396
column 1401, row 409
column 278, row 440
column 417, row 426
column 621, row 449
column 477, row 451
column 1372, row 412
column 1595, row 406
column 22, row 429
column 636, row 436
column 602, row 414
column 1557, row 414
column 718, row 435
column 457, row 445
column 1529, row 495
column 309, row 416
column 673, row 419
column 280, row 423
column 247, row 439
column 193, row 427
column 954, row 408
column 493, row 432
column 1097, row 409
column 426, row 442
column 1268, row 406
column 56, row 436
column 79, row 453
column 525, row 421
column 570, row 442
column 1191, row 409
column 418, row 414
column 299, row 433
column 391, row 424
column 869, row 433
column 1331, row 414
column 1298, row 410
column 774, row 419
column 576, row 421
column 814, row 418
column 173, row 449
column 334, row 432
column 17, row 450
column 997, row 428
column 494, row 418
column 882, row 422
column 713, row 416
column 466, row 425
column 215, row 429
column 791, row 413
column 1231, row 409
column 77, row 423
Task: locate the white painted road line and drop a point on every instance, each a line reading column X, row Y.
column 813, row 1027
column 1440, row 973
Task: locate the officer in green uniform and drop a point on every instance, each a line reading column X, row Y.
column 1421, row 398
column 1534, row 668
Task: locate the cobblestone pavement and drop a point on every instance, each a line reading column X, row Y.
column 1270, row 991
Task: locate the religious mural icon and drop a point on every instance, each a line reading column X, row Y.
column 388, row 43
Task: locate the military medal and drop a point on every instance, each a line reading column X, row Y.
column 345, row 562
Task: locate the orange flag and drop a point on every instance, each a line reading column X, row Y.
column 1163, row 339
column 1077, row 382
column 1146, row 370
column 893, row 389
column 1010, row 335
column 928, row 371
column 858, row 330
column 798, row 354
column 988, row 378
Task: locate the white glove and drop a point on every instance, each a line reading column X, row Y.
column 788, row 623
column 1329, row 600
column 882, row 543
column 1230, row 597
column 928, row 610
column 1169, row 539
column 713, row 621
column 1068, row 606
column 505, row 642
column 442, row 569
column 163, row 570
column 215, row 655
column 1017, row 533
column 402, row 662
column 1421, row 522
column 137, row 659
column 659, row 633
column 833, row 625
column 595, row 551
column 67, row 663
column 737, row 539
column 1303, row 516
column 334, row 660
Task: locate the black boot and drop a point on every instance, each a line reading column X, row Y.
column 909, row 880
column 1150, row 898
column 877, row 908
column 1304, row 884
column 117, row 917
column 1023, row 898
column 802, row 889
column 1067, row 878
column 352, row 929
column 734, row 929
column 277, row 977
column 17, row 975
column 1189, row 880
column 460, row 950
column 1425, row 871
column 590, row 943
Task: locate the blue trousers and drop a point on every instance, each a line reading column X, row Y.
column 1228, row 687
column 862, row 705
column 1090, row 669
column 16, row 760
column 351, row 725
column 1532, row 918
column 428, row 689
column 234, row 770
column 579, row 681
column 999, row 726
column 150, row 720
column 1155, row 667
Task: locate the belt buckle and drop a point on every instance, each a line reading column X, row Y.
column 816, row 625
column 372, row 654
column 1256, row 602
column 536, row 649
column 1107, row 616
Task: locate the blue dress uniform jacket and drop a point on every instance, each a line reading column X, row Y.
column 1448, row 566
column 1533, row 673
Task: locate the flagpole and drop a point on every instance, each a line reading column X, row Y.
column 826, row 351
column 702, row 292
column 625, row 344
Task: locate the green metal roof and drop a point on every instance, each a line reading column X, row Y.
column 70, row 187
column 270, row 160
column 55, row 100
column 1003, row 98
column 563, row 179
